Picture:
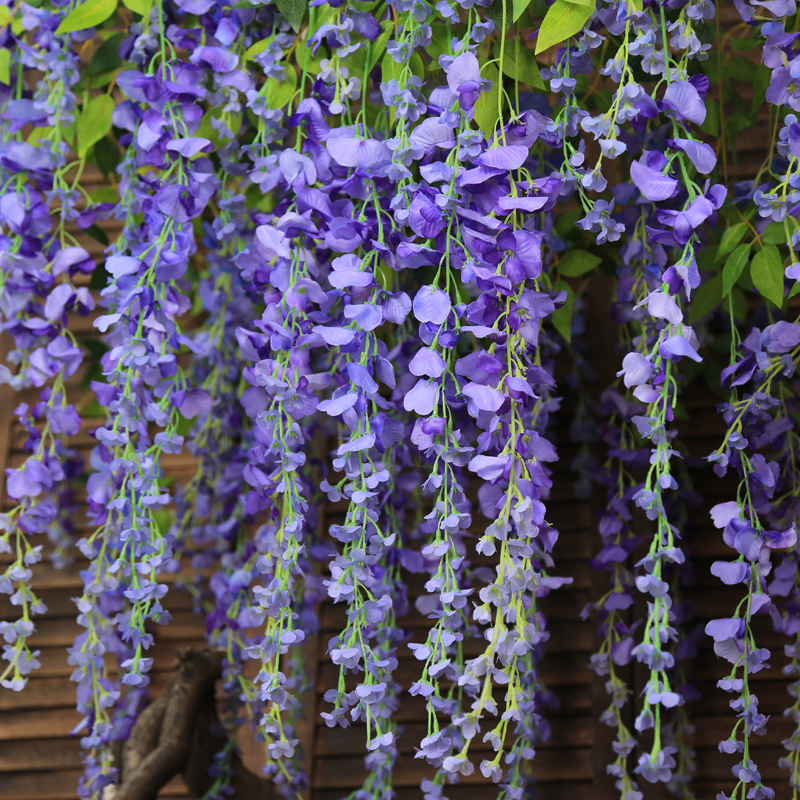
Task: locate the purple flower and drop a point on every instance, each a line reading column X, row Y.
column 721, row 629
column 219, row 59
column 431, row 305
column 648, row 175
column 676, row 347
column 427, row 362
column 368, row 155
column 684, row 99
column 190, row 146
column 464, row 79
column 730, row 572
column 421, row 398
column 702, row 155
column 482, row 398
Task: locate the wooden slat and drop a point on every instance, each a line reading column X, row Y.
column 33, row 785
column 333, row 773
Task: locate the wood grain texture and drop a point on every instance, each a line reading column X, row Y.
column 40, row 761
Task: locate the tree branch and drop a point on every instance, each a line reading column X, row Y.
column 177, row 734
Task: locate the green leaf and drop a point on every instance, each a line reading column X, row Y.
column 577, row 262
column 94, row 122
column 748, row 43
column 5, row 66
column 256, row 48
column 740, row 305
column 775, row 233
column 87, row 15
column 357, row 61
column 105, row 194
column 378, row 47
column 292, row 11
column 279, row 93
column 562, row 316
column 734, row 267
column 735, row 124
column 711, row 123
column 93, row 411
column 520, row 64
column 730, row 239
column 739, row 68
column 141, row 7
column 565, row 223
column 486, row 105
column 98, row 234
column 391, row 69
column 11, row 20
column 106, row 58
column 495, row 13
column 107, row 155
column 761, row 79
column 706, row 261
column 184, row 426
column 309, row 62
column 162, row 518
column 767, row 273
column 440, row 45
column 563, row 19
column 69, row 134
column 707, row 297
column 519, row 8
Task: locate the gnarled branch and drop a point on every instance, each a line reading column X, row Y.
column 177, row 734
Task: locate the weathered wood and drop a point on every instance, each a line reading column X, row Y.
column 334, row 773
column 32, row 785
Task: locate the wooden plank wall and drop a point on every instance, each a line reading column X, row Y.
column 39, row 760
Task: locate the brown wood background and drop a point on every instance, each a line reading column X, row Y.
column 40, row 761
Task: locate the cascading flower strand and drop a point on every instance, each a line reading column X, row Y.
column 356, row 242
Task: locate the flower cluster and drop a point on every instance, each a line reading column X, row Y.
column 350, row 245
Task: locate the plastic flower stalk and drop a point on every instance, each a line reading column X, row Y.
column 388, row 636
column 430, row 372
column 752, row 524
column 39, row 262
column 282, row 393
column 765, row 358
column 784, row 586
column 437, row 434
column 507, row 374
column 211, row 526
column 143, row 381
column 733, row 636
column 356, row 572
column 482, row 397
column 619, row 542
column 620, row 473
column 639, row 331
column 359, row 362
column 658, row 630
column 653, row 375
column 678, row 729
